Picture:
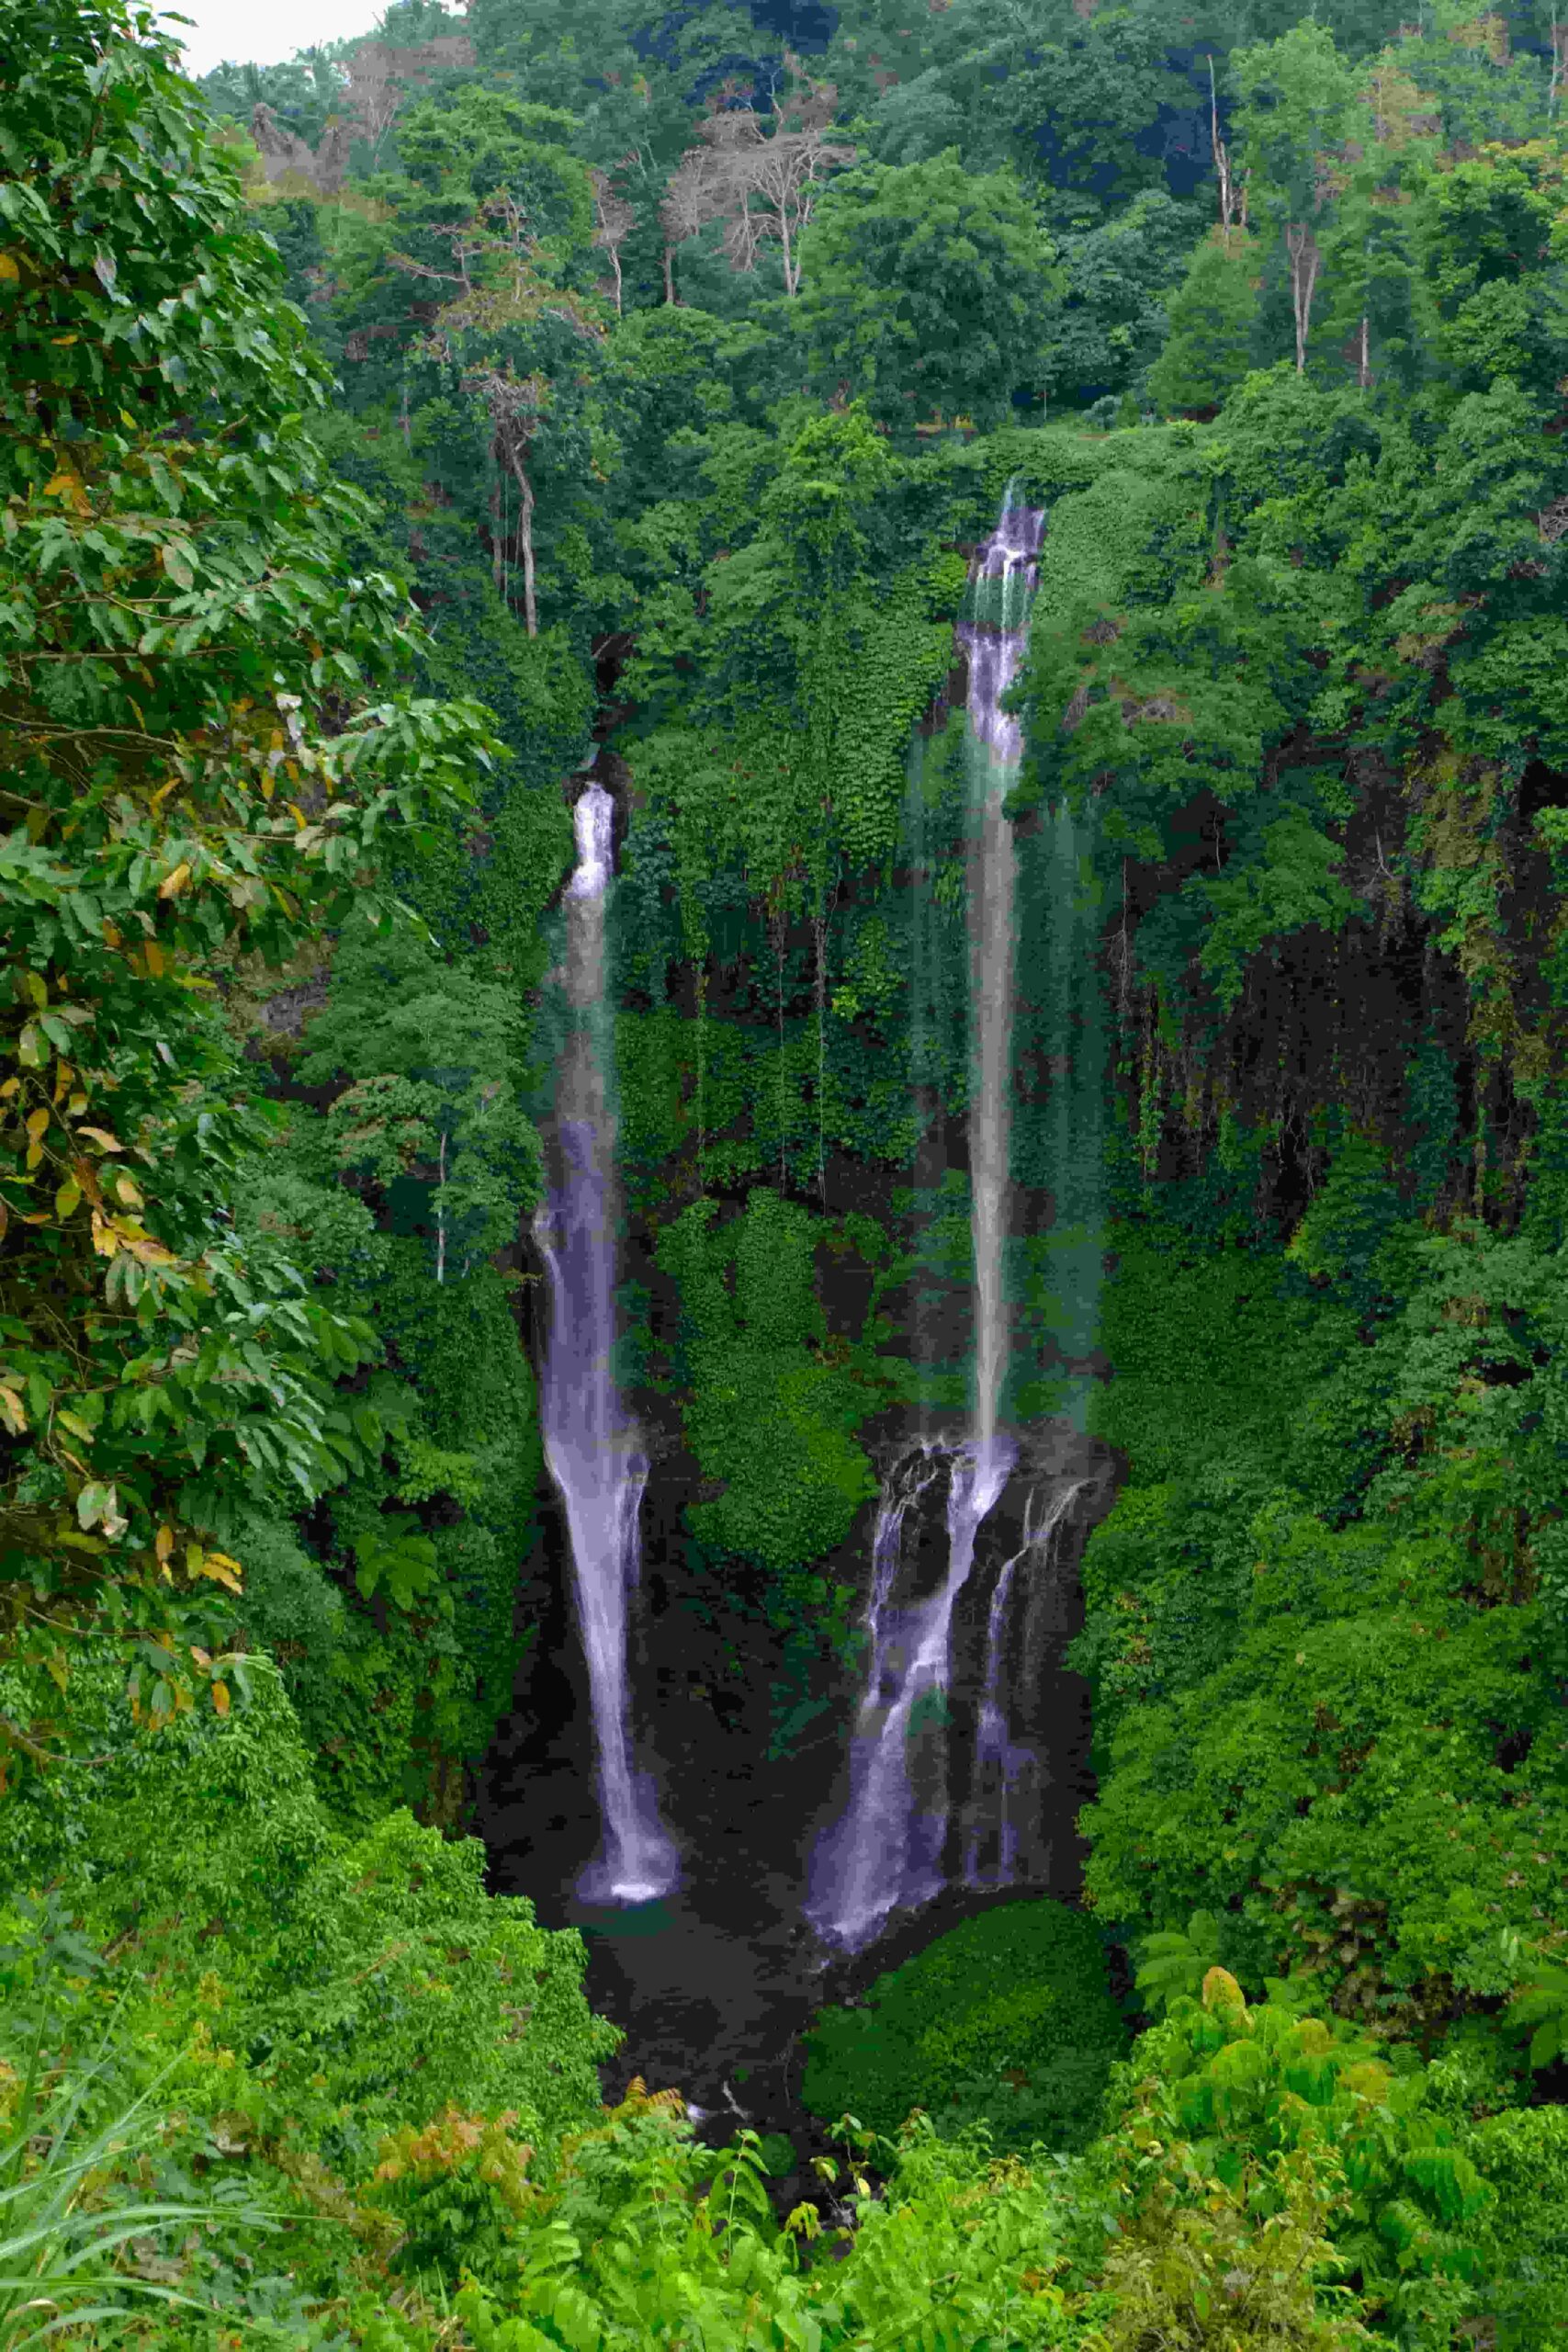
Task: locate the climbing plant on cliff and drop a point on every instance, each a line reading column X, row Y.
column 205, row 754
column 785, row 753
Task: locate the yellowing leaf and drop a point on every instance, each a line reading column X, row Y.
column 220, row 1696
column 126, row 1192
column 99, row 1505
column 12, row 1411
column 172, row 884
column 102, row 1137
column 38, row 1122
column 1221, row 1990
column 68, row 1199
column 37, row 987
column 164, row 1541
column 155, row 956
column 9, row 274
column 77, row 1427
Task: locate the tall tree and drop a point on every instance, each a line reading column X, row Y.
column 202, row 759
column 927, row 292
column 1300, row 114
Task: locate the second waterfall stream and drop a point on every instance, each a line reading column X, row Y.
column 590, row 1443
column 885, row 1851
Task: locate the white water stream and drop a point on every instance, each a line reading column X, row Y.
column 886, row 1852
column 589, row 1442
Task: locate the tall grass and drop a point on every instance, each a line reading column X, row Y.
column 65, row 2228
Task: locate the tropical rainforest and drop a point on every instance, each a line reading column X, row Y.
column 530, row 415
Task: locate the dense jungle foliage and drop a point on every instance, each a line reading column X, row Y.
column 381, row 433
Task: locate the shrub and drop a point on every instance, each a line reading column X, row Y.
column 1006, row 2020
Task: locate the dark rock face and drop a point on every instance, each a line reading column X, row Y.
column 749, row 1753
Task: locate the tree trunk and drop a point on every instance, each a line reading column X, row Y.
column 497, row 548
column 820, row 926
column 669, row 274
column 1366, row 368
column 791, row 275
column 509, row 449
column 1302, row 247
column 1221, row 161
column 526, row 526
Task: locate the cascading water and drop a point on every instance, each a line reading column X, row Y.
column 590, row 1443
column 1003, row 1770
column 886, row 1850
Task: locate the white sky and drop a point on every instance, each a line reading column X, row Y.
column 265, row 34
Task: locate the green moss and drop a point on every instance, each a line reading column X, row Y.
column 1186, row 1328
column 1006, row 2020
column 773, row 1404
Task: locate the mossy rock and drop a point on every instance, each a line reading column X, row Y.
column 1007, row 2021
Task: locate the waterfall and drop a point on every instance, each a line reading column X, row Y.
column 590, row 1443
column 1000, row 1767
column 886, row 1850
column 995, row 638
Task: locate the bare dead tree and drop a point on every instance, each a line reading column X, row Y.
column 282, row 151
column 1222, row 163
column 517, row 405
column 695, row 195
column 788, row 174
column 760, row 178
column 377, row 92
column 380, row 77
column 511, row 294
column 614, row 220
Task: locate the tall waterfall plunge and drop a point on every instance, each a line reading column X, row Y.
column 589, row 1442
column 886, row 1850
column 995, row 638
